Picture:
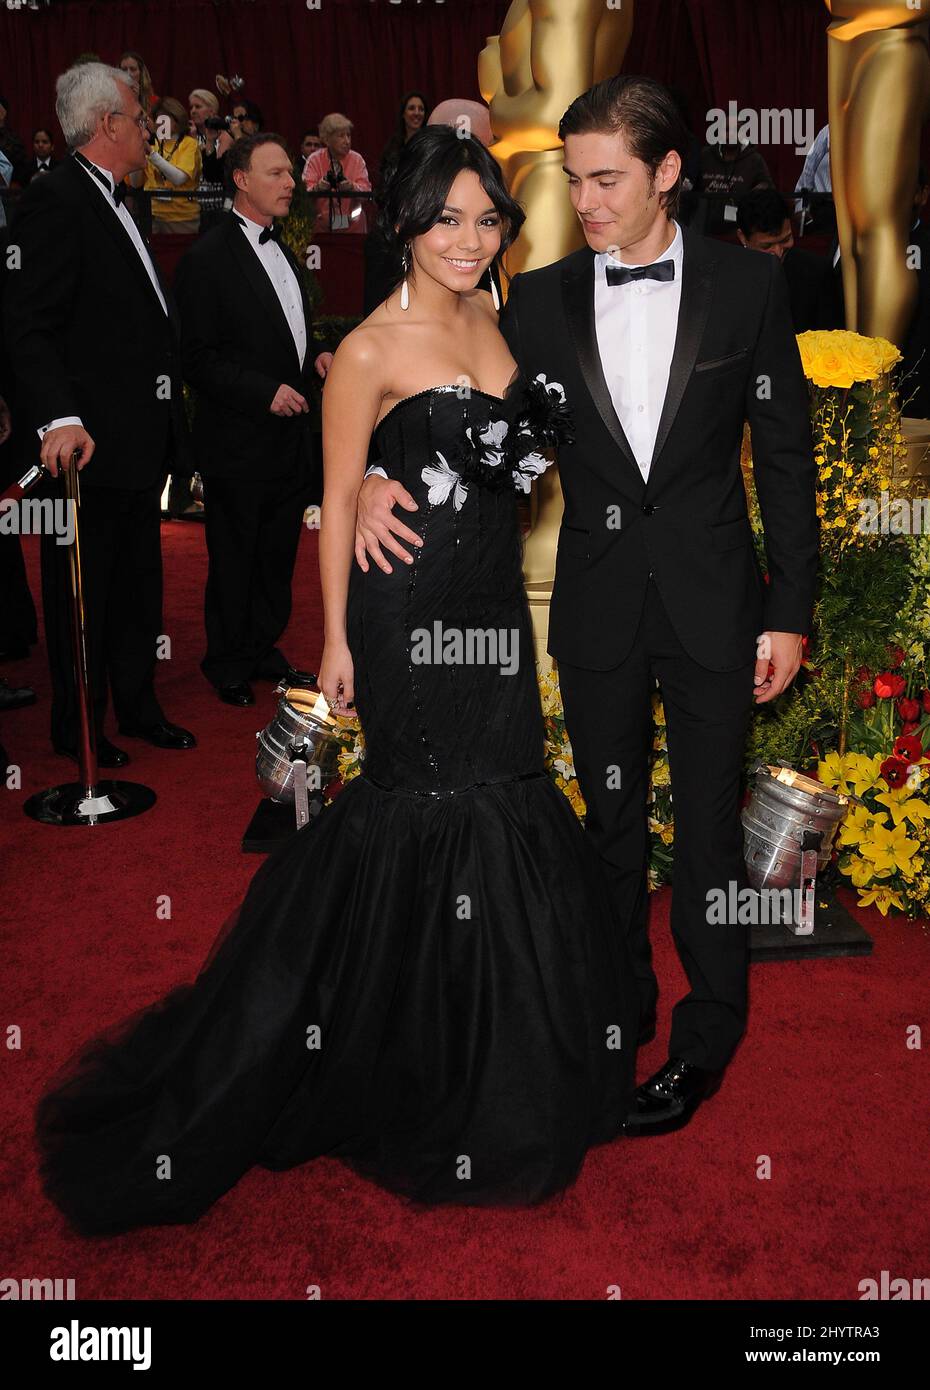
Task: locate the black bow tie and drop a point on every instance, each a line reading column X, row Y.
column 623, row 274
column 117, row 194
column 272, row 233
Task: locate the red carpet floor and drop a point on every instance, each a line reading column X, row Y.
column 824, row 1084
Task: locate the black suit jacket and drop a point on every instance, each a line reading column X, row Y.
column 86, row 334
column 735, row 357
column 26, row 172
column 237, row 349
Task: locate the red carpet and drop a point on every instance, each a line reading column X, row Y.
column 824, row 1085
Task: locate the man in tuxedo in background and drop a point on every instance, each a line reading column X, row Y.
column 92, row 339
column 247, row 350
column 763, row 222
column 664, row 343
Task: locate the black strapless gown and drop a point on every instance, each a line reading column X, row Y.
column 428, row 981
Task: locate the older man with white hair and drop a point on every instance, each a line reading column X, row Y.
column 92, row 337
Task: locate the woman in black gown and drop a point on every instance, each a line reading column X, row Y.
column 428, row 981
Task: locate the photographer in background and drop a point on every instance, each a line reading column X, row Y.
column 173, row 165
column 337, row 168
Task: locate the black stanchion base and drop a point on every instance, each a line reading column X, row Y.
column 272, row 823
column 69, row 804
column 835, row 933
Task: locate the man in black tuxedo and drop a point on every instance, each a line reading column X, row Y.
column 247, row 350
column 92, row 338
column 664, row 343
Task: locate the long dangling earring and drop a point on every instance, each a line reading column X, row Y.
column 495, row 297
column 405, row 292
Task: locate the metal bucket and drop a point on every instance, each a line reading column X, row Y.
column 303, row 718
column 783, row 805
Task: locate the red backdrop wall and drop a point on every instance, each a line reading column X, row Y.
column 361, row 56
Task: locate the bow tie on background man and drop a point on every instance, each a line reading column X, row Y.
column 623, row 274
column 272, row 233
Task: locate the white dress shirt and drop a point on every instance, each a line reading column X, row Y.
column 636, row 326
column 283, row 280
column 122, row 212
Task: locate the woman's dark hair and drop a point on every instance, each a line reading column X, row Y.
column 429, row 163
column 645, row 111
column 400, row 130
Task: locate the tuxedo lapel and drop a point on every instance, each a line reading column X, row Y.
column 255, row 275
column 104, row 210
column 578, row 299
column 697, row 276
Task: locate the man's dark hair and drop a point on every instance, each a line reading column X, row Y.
column 43, row 130
column 416, row 192
column 762, row 210
column 646, row 113
column 239, row 154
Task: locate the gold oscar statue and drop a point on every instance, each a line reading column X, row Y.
column 545, row 55
column 879, row 95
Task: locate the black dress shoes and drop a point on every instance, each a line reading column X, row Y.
column 108, row 755
column 162, row 735
column 668, row 1100
column 15, row 697
column 239, row 693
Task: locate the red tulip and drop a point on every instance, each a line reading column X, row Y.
column 925, row 697
column 894, row 772
column 865, row 699
column 888, row 686
column 896, row 655
column 909, row 710
column 908, row 729
column 908, row 748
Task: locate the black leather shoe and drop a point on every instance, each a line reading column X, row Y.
column 15, row 697
column 668, row 1100
column 108, row 755
column 162, row 735
column 647, row 1028
column 239, row 693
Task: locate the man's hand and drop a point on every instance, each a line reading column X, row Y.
column 376, row 525
column 287, row 401
column 6, row 427
column 58, row 446
column 785, row 660
column 323, row 363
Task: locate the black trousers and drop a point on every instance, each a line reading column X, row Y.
column 17, row 611
column 122, row 573
column 608, row 719
column 252, row 529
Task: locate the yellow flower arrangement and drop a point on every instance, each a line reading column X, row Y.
column 841, row 358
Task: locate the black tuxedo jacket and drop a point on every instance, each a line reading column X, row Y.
column 86, row 334
column 735, row 358
column 237, row 349
column 27, row 171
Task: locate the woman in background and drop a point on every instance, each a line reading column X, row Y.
column 134, row 65
column 173, row 167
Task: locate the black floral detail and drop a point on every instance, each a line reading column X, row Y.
column 509, row 454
